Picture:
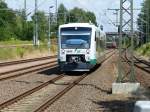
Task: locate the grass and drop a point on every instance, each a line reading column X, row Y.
column 9, row 53
column 144, row 50
column 14, row 42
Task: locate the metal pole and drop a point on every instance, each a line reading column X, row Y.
column 56, row 12
column 116, row 13
column 132, row 76
column 120, row 75
column 142, row 32
column 36, row 23
column 126, row 22
column 69, row 17
column 24, row 20
column 49, row 29
column 65, row 17
column 25, row 9
column 117, row 18
column 124, row 42
column 148, row 23
column 34, row 31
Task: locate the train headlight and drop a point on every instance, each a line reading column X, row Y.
column 87, row 51
column 62, row 51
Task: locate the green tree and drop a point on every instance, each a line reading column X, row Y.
column 80, row 15
column 144, row 21
column 29, row 30
column 76, row 15
column 72, row 16
column 7, row 22
column 62, row 14
column 91, row 17
column 42, row 24
column 14, row 24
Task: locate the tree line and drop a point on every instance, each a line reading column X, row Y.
column 144, row 22
column 15, row 25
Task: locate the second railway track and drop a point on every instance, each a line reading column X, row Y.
column 23, row 71
column 142, row 61
column 3, row 64
column 141, row 64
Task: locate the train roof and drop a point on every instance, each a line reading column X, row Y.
column 82, row 25
column 77, row 25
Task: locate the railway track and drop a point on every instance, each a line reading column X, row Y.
column 24, row 71
column 27, row 93
column 25, row 61
column 11, row 105
column 142, row 61
column 109, row 51
column 142, row 71
column 49, row 102
column 141, row 64
column 31, row 69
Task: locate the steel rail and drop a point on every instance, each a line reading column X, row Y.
column 25, row 68
column 25, row 61
column 60, row 94
column 47, row 66
column 109, row 51
column 49, row 102
column 138, row 66
column 112, row 53
column 27, row 93
column 142, row 61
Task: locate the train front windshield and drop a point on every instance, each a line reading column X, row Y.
column 75, row 38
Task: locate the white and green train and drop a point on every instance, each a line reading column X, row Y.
column 81, row 46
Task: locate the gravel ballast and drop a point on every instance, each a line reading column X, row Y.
column 93, row 94
column 16, row 86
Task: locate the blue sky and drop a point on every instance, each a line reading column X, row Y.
column 97, row 6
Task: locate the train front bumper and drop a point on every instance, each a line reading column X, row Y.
column 76, row 66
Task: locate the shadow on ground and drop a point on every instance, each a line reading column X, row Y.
column 115, row 106
column 57, row 71
column 51, row 71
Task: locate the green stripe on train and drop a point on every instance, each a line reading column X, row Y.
column 93, row 61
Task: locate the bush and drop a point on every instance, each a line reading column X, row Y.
column 144, row 50
column 20, row 52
